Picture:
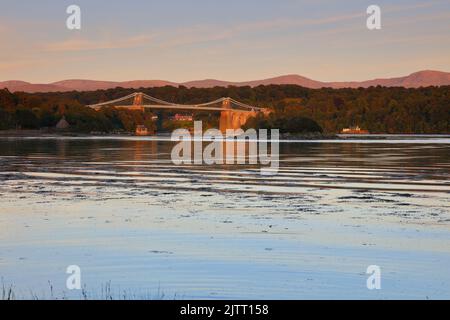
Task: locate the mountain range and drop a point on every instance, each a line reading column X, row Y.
column 415, row 80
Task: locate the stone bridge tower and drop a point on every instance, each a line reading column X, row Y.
column 233, row 119
column 138, row 102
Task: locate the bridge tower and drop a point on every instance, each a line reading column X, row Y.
column 226, row 116
column 233, row 119
column 138, row 101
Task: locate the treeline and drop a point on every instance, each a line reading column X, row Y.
column 377, row 109
column 44, row 110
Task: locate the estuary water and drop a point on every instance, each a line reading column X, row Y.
column 139, row 226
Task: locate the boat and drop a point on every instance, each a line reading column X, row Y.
column 142, row 130
column 354, row 130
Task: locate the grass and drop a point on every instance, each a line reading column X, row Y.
column 7, row 292
column 106, row 292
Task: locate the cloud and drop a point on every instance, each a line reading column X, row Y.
column 400, row 8
column 7, row 66
column 210, row 33
column 81, row 44
column 200, row 34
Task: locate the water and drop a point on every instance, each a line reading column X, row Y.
column 119, row 209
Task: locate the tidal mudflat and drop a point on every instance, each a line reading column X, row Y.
column 119, row 209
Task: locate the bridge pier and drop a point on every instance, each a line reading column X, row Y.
column 225, row 121
column 231, row 119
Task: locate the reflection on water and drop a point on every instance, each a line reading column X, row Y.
column 121, row 210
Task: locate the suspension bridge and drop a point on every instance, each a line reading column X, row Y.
column 233, row 114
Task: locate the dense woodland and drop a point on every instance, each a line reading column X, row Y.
column 295, row 109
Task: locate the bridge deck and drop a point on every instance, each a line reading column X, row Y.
column 179, row 107
column 139, row 104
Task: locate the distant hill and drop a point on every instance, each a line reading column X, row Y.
column 14, row 86
column 287, row 79
column 415, row 80
column 90, row 85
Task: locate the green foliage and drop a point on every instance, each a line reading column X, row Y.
column 26, row 119
column 209, row 119
column 285, row 122
column 377, row 109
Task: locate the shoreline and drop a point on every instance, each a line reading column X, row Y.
column 284, row 136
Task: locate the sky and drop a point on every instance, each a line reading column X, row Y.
column 233, row 40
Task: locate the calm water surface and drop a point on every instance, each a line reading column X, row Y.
column 119, row 209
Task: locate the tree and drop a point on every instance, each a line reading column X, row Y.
column 26, row 119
